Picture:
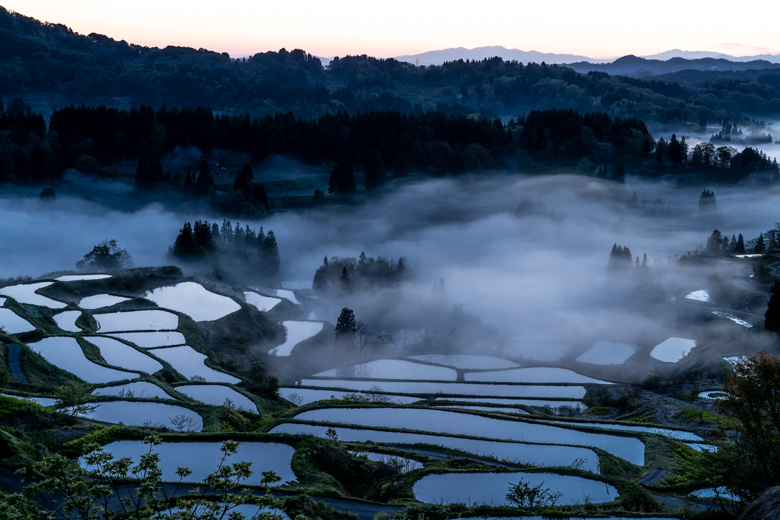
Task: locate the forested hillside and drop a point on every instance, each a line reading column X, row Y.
column 47, row 58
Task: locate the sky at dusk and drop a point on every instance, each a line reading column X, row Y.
column 598, row 29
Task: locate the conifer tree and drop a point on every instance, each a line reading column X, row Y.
column 344, row 281
column 759, row 244
column 772, row 317
column 346, row 327
column 184, row 247
column 740, row 249
column 271, row 254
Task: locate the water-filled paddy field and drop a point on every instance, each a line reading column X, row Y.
column 491, row 488
column 439, row 421
column 65, row 353
column 465, row 389
column 120, row 355
column 514, row 452
column 467, row 361
column 308, row 395
column 217, row 395
column 297, row 331
column 25, row 293
column 152, row 339
column 193, row 300
column 203, row 458
column 136, row 320
column 139, row 389
column 393, row 369
column 191, row 364
column 12, row 323
column 138, row 413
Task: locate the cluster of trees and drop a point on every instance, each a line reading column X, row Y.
column 620, row 259
column 528, row 208
column 346, row 274
column 106, row 256
column 237, row 250
column 748, row 463
column 730, row 163
column 556, row 134
column 92, row 138
column 656, row 208
column 718, row 245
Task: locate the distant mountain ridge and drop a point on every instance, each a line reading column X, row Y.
column 637, row 67
column 479, row 53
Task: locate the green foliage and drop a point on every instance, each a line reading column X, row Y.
column 524, row 495
column 103, row 490
column 106, row 256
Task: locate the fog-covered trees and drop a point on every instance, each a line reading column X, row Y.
column 346, row 274
column 620, row 259
column 707, row 202
column 106, row 256
column 346, row 326
column 239, row 250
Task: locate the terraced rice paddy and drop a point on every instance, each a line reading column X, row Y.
column 513, row 452
column 25, row 293
column 101, row 300
column 405, row 464
column 67, row 321
column 190, row 363
column 511, row 402
column 733, row 318
column 152, row 339
column 139, row 389
column 193, row 300
column 673, row 349
column 466, row 361
column 138, row 413
column 82, row 277
column 263, row 303
column 65, row 353
column 203, row 458
column 393, row 369
column 439, row 421
column 297, row 331
column 43, row 401
column 533, row 375
column 465, row 389
column 12, row 323
column 538, row 351
column 217, row 395
column 607, row 353
column 121, row 355
column 136, row 321
column 672, row 434
column 491, row 488
column 699, row 296
column 308, row 395
column 483, row 408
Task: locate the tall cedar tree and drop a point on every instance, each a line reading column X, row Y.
column 759, row 244
column 740, row 248
column 346, row 325
column 244, row 179
column 772, row 317
column 342, row 178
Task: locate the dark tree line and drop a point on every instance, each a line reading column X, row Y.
column 233, row 249
column 344, row 275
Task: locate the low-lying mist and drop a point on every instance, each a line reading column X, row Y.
column 539, row 278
